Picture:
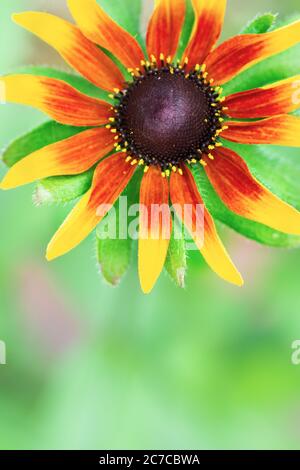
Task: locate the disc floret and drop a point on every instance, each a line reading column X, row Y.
column 168, row 115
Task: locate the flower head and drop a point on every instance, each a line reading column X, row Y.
column 166, row 115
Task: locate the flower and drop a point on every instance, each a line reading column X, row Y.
column 168, row 117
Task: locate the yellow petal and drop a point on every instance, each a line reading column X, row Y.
column 155, row 227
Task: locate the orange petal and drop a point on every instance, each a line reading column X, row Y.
column 97, row 26
column 55, row 98
column 67, row 157
column 278, row 130
column 155, row 227
column 243, row 194
column 190, row 209
column 209, row 18
column 279, row 98
column 165, row 27
column 110, row 179
column 76, row 49
column 240, row 52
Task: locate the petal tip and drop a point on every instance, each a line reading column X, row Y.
column 146, row 288
column 4, row 185
column 16, row 17
column 238, row 280
column 49, row 255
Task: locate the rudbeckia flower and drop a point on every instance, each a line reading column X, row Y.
column 167, row 115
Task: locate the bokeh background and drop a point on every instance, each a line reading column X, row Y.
column 90, row 366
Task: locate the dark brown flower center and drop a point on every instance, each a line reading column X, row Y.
column 166, row 117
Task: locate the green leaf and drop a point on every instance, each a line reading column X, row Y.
column 62, row 189
column 46, row 134
column 114, row 251
column 187, row 28
column 176, row 264
column 114, row 256
column 57, row 189
column 260, row 24
column 278, row 168
column 275, row 68
column 249, row 229
column 75, row 81
column 127, row 13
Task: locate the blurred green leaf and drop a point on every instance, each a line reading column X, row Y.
column 260, row 24
column 249, row 229
column 176, row 264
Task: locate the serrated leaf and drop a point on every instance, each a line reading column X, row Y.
column 114, row 251
column 249, row 229
column 176, row 264
column 260, row 24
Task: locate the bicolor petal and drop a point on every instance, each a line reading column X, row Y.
column 278, row 130
column 240, row 52
column 67, row 157
column 74, row 47
column 155, row 227
column 279, row 98
column 56, row 98
column 110, row 179
column 100, row 28
column 245, row 196
column 165, row 27
column 190, row 208
column 209, row 18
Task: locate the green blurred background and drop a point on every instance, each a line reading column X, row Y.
column 90, row 366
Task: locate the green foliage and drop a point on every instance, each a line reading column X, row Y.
column 252, row 230
column 176, row 263
column 114, row 257
column 127, row 13
column 46, row 134
column 114, row 253
column 276, row 167
column 260, row 24
column 61, row 189
column 187, row 29
column 275, row 68
column 56, row 189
